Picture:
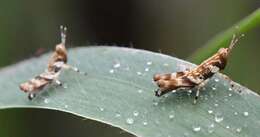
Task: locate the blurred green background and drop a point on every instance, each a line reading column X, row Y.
column 175, row 27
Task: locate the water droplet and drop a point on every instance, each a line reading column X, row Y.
column 216, row 105
column 213, row 88
column 149, row 63
column 189, row 91
column 238, row 130
column 66, row 106
column 230, row 94
column 146, row 69
column 117, row 65
column 145, row 123
column 173, row 91
column 139, row 91
column 118, row 115
column 135, row 113
column 139, row 73
column 219, row 118
column 111, row 71
column 46, row 101
column 211, row 128
column 210, row 111
column 227, row 127
column 166, row 64
column 155, row 103
column 101, row 109
column 246, row 114
column 171, row 116
column 196, row 128
column 230, row 89
column 216, row 80
column 129, row 121
column 65, row 85
column 235, row 113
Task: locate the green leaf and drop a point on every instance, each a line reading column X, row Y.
column 118, row 90
column 223, row 39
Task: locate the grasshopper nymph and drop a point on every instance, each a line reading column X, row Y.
column 57, row 62
column 196, row 77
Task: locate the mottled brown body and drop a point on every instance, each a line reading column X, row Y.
column 57, row 61
column 194, row 77
column 60, row 55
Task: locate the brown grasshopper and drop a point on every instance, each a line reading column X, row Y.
column 196, row 77
column 57, row 62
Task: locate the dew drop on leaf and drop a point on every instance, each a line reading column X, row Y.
column 210, row 111
column 135, row 113
column 146, row 69
column 46, row 101
column 118, row 115
column 213, row 88
column 117, row 65
column 111, row 71
column 196, row 128
column 149, row 63
column 155, row 103
column 145, row 123
column 171, row 116
column 166, row 64
column 101, row 109
column 65, row 85
column 130, row 121
column 139, row 73
column 219, row 117
column 216, row 80
column 139, row 90
column 246, row 113
column 211, row 128
column 238, row 130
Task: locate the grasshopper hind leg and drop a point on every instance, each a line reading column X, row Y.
column 198, row 91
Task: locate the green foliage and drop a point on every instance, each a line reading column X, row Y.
column 118, row 90
column 223, row 39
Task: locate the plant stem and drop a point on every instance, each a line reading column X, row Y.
column 222, row 39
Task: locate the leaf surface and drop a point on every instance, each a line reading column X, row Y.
column 118, row 90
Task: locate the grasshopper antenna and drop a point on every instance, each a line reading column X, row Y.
column 63, row 33
column 234, row 41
